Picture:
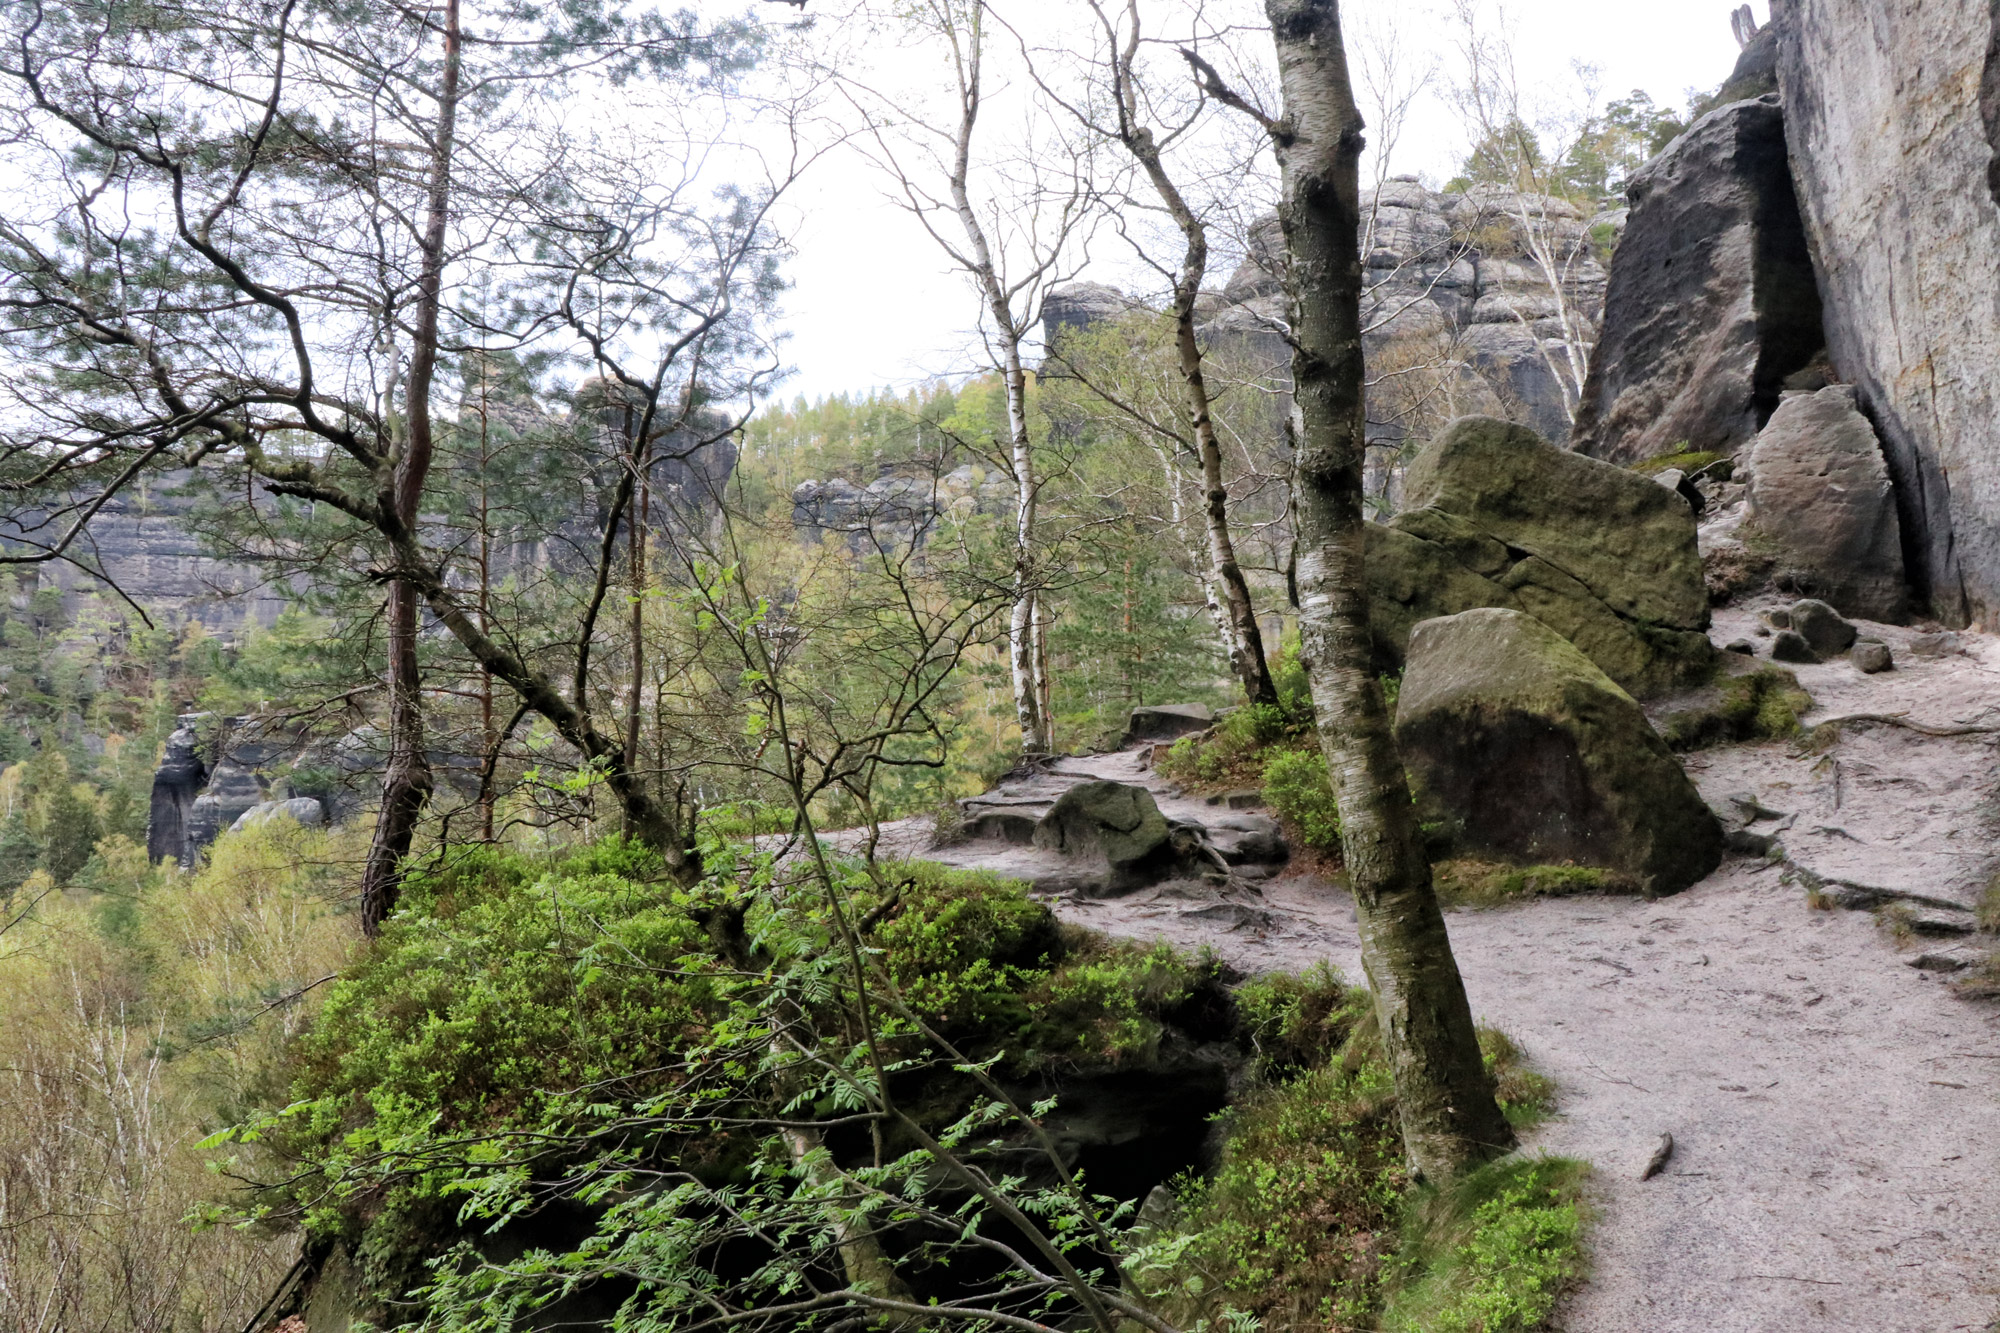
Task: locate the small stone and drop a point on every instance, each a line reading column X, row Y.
column 1824, row 628
column 1743, row 646
column 1763, row 631
column 1945, row 960
column 1671, row 478
column 1873, row 657
column 1778, row 619
column 1790, row 646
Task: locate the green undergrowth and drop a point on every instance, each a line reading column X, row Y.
column 525, row 1021
column 1274, row 750
column 1470, row 883
column 1310, row 1221
column 1493, row 1252
column 1760, row 705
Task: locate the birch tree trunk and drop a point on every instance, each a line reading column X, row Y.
column 406, row 779
column 1450, row 1118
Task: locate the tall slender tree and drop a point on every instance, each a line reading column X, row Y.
column 1451, row 1119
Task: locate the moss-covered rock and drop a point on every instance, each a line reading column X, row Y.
column 1502, row 518
column 1529, row 753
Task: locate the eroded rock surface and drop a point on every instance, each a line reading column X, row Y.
column 1893, row 156
column 1712, row 302
column 1529, row 753
column 1502, row 518
column 1822, row 508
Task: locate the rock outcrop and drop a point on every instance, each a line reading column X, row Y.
column 1821, row 506
column 1527, row 752
column 1502, row 518
column 1118, row 826
column 1447, row 282
column 1712, row 302
column 1166, row 722
column 897, row 506
column 1892, row 114
column 177, row 783
column 301, row 810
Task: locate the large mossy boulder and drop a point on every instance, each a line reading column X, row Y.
column 1525, row 751
column 1499, row 517
column 1118, row 827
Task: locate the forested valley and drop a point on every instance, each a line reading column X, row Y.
column 1312, row 772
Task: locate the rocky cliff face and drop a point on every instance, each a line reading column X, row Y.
column 141, row 542
column 1893, row 120
column 1712, row 302
column 1451, row 296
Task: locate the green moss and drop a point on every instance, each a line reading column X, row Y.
column 1468, row 883
column 1491, row 1254
column 1689, row 461
column 1761, row 705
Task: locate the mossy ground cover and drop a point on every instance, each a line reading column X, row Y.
column 554, row 999
column 1761, row 705
column 1472, row 883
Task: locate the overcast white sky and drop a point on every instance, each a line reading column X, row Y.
column 874, row 304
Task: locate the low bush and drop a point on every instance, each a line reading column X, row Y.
column 1300, row 792
column 1491, row 1254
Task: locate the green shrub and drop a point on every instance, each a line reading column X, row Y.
column 1297, row 787
column 1761, row 705
column 1302, row 1210
column 1297, row 1021
column 1493, row 1253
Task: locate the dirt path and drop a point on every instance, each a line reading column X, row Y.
column 1836, row 1111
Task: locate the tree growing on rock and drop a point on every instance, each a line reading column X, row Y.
column 1451, row 1120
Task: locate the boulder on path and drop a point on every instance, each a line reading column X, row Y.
column 1502, row 518
column 1166, row 722
column 1712, row 301
column 1120, row 827
column 1822, row 507
column 1822, row 628
column 1529, row 753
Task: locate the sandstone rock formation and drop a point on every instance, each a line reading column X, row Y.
column 1529, row 753
column 1502, row 518
column 1166, row 722
column 1712, row 302
column 1119, row 827
column 897, row 506
column 1893, row 117
column 176, row 784
column 1447, row 287
column 302, row 810
column 1821, row 506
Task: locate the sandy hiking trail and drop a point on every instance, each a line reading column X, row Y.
column 1835, row 1108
